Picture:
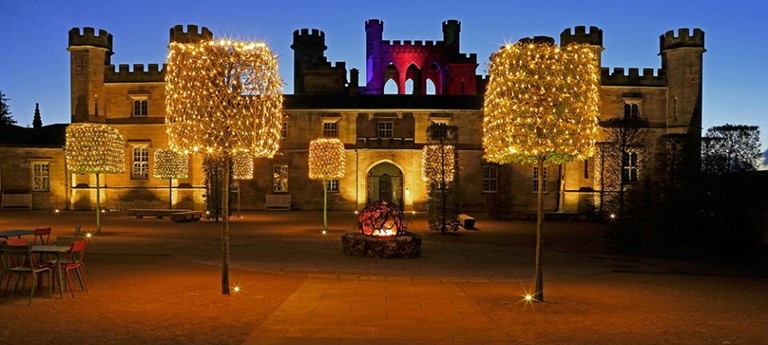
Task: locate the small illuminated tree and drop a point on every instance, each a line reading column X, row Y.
column 437, row 169
column 541, row 106
column 170, row 165
column 223, row 98
column 93, row 148
column 242, row 169
column 326, row 162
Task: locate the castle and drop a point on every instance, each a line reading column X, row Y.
column 383, row 133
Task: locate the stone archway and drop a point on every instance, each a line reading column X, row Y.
column 385, row 182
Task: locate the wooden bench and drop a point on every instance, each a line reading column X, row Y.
column 159, row 213
column 186, row 216
column 16, row 201
column 466, row 221
column 278, row 201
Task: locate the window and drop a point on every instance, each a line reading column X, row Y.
column 490, row 178
column 140, row 169
column 330, row 129
column 536, row 179
column 139, row 107
column 280, row 178
column 332, row 185
column 629, row 167
column 631, row 110
column 284, row 131
column 41, row 176
column 385, row 129
column 586, row 168
column 438, row 130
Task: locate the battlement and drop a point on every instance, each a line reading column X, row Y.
column 580, row 35
column 633, row 77
column 537, row 40
column 410, row 43
column 191, row 35
column 684, row 39
column 373, row 23
column 89, row 38
column 122, row 74
column 309, row 37
column 465, row 58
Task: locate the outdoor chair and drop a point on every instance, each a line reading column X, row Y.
column 74, row 261
column 18, row 260
column 44, row 234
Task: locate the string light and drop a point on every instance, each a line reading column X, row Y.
column 242, row 166
column 223, row 97
column 432, row 163
column 541, row 101
column 326, row 159
column 93, row 148
column 170, row 164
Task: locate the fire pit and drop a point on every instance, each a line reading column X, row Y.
column 382, row 234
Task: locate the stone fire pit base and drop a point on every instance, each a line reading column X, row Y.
column 407, row 245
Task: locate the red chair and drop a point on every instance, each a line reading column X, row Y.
column 73, row 262
column 44, row 234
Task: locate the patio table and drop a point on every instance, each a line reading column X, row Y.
column 57, row 251
column 17, row 233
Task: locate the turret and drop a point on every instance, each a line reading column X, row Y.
column 374, row 33
column 682, row 60
column 37, row 121
column 89, row 54
column 580, row 35
column 308, row 51
column 451, row 31
column 191, row 35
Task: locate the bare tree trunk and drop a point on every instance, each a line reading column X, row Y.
column 538, row 294
column 325, row 206
column 98, row 205
column 170, row 193
column 225, row 230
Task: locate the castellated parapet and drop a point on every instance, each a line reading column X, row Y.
column 537, row 40
column 683, row 39
column 122, row 74
column 309, row 38
column 633, row 77
column 191, row 35
column 580, row 35
column 89, row 38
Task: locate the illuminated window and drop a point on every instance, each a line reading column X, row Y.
column 284, row 131
column 139, row 104
column 385, row 129
column 536, row 179
column 330, row 129
column 280, row 178
column 332, row 185
column 490, row 178
column 629, row 167
column 140, row 162
column 41, row 176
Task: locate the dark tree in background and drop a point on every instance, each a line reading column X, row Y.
column 5, row 111
column 730, row 149
column 442, row 177
column 618, row 160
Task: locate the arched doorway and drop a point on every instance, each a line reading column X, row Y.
column 385, row 182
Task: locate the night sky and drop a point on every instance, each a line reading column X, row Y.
column 34, row 63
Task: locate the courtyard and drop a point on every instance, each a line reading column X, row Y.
column 152, row 281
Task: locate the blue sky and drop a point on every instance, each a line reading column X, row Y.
column 34, row 63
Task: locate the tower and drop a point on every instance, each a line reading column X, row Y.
column 192, row 35
column 308, row 51
column 374, row 78
column 682, row 60
column 580, row 35
column 451, row 31
column 89, row 53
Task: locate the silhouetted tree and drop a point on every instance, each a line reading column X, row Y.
column 730, row 148
column 5, row 112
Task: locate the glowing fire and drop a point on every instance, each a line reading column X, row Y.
column 381, row 219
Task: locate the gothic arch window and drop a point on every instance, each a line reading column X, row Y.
column 433, row 78
column 391, row 78
column 390, row 87
column 409, row 89
column 431, row 90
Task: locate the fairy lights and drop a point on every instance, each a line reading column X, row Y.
column 223, row 97
column 541, row 101
column 326, row 159
column 170, row 164
column 432, row 163
column 242, row 166
column 93, row 148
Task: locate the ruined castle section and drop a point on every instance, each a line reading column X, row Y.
column 313, row 74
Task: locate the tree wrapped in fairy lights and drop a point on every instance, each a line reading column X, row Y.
column 541, row 106
column 326, row 163
column 93, row 148
column 242, row 169
column 223, row 98
column 170, row 165
column 437, row 169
